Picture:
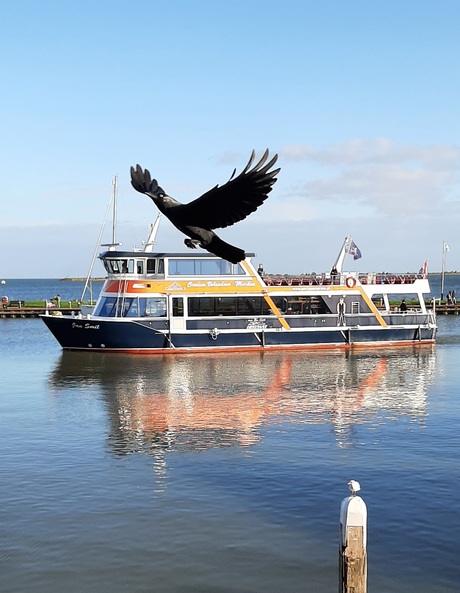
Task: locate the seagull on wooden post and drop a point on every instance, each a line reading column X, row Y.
column 219, row 207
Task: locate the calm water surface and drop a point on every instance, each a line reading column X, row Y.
column 225, row 473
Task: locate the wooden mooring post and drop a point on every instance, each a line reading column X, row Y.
column 353, row 543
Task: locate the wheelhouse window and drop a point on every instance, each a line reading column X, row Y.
column 151, row 267
column 155, row 266
column 117, row 307
column 119, row 266
column 107, row 307
column 203, row 267
column 129, row 307
column 137, row 265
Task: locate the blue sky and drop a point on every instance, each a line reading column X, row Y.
column 359, row 99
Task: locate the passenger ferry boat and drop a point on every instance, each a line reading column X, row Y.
column 154, row 302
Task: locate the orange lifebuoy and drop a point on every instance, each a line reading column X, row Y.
column 350, row 282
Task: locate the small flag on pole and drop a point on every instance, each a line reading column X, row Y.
column 424, row 269
column 446, row 247
column 353, row 250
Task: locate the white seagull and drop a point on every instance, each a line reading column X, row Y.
column 354, row 487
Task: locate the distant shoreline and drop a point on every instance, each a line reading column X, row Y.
column 445, row 273
column 75, row 279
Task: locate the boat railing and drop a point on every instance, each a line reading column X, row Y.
column 298, row 280
column 331, row 279
column 389, row 278
column 313, row 321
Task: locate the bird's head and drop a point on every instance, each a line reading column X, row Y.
column 354, row 487
column 155, row 191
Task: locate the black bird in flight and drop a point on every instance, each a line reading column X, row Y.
column 219, row 207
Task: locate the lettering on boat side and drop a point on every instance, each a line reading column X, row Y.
column 220, row 284
column 245, row 283
column 211, row 283
column 257, row 324
column 196, row 284
column 76, row 325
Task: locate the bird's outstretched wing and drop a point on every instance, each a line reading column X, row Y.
column 224, row 205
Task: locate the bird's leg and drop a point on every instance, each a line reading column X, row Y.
column 192, row 243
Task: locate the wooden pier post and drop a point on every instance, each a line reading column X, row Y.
column 353, row 543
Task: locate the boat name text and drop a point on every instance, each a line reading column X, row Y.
column 76, row 325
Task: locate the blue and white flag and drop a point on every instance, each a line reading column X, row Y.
column 354, row 250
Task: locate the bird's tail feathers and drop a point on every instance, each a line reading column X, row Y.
column 225, row 250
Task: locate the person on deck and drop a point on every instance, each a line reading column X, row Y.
column 341, row 312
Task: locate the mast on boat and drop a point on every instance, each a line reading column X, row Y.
column 342, row 253
column 111, row 246
column 151, row 239
column 348, row 247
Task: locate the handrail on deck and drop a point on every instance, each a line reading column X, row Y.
column 328, row 279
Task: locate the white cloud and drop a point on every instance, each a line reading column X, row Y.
column 377, row 151
column 375, row 177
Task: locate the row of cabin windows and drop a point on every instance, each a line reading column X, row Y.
column 204, row 267
column 205, row 306
column 215, row 306
column 176, row 267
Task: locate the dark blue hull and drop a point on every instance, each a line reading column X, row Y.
column 75, row 333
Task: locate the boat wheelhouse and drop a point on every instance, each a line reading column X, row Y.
column 157, row 302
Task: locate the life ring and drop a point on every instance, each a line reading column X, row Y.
column 350, row 282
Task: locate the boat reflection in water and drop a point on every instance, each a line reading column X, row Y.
column 195, row 402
